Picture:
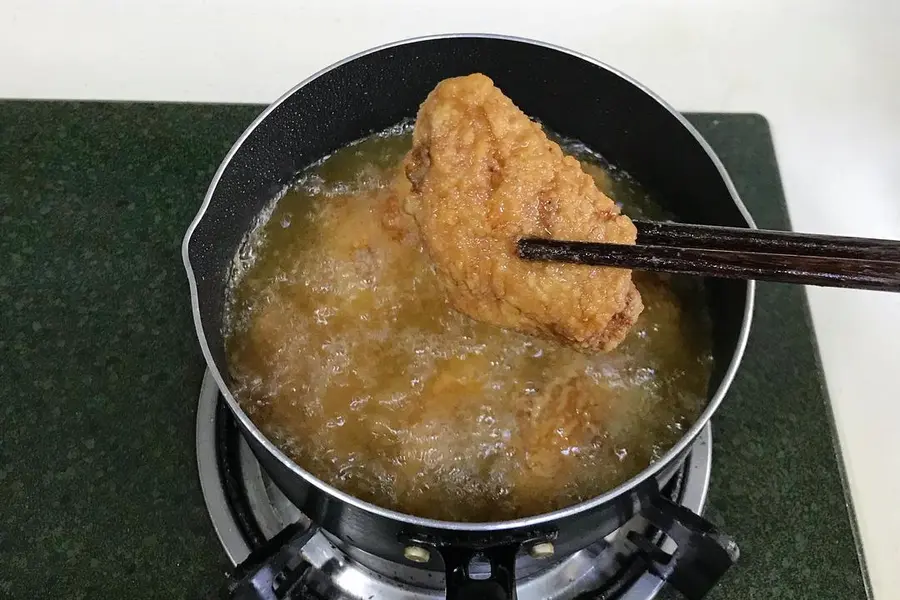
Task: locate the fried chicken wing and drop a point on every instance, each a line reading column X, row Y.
column 565, row 419
column 484, row 175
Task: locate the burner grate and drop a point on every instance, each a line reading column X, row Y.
column 247, row 509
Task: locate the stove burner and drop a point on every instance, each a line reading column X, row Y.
column 247, row 509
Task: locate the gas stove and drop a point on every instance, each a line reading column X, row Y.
column 97, row 459
column 248, row 511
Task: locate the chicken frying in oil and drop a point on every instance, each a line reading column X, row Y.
column 483, row 176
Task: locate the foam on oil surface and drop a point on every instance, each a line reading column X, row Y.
column 347, row 355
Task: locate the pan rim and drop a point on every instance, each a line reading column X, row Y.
column 488, row 526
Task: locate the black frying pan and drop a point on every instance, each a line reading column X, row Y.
column 574, row 96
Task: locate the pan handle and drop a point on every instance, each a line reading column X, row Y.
column 273, row 571
column 500, row 584
column 702, row 556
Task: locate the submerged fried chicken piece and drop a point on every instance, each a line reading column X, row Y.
column 484, row 175
column 565, row 419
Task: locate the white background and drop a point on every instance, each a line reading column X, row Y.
column 826, row 73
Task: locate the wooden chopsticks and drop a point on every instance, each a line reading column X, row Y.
column 737, row 253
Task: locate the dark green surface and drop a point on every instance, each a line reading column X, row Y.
column 100, row 370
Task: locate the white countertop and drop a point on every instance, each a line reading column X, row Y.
column 826, row 73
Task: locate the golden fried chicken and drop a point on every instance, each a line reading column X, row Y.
column 565, row 419
column 484, row 175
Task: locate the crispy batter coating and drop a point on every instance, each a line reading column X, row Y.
column 484, row 175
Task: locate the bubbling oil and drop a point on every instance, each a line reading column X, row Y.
column 345, row 352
